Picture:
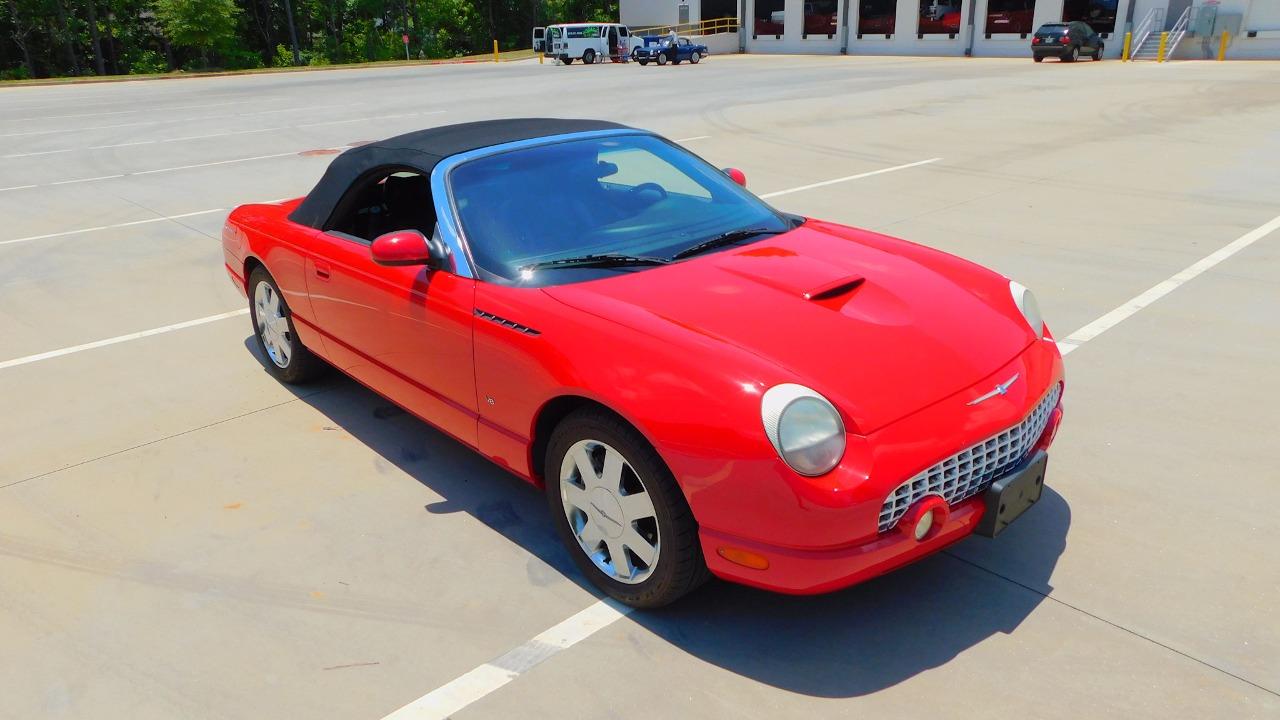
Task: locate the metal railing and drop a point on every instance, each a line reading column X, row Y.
column 1178, row 31
column 706, row 27
column 1150, row 26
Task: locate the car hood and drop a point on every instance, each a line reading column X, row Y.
column 880, row 326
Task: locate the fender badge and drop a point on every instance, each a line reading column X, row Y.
column 1000, row 389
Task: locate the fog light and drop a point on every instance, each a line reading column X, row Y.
column 925, row 519
column 745, row 558
column 924, row 525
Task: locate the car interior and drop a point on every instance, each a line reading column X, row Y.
column 397, row 201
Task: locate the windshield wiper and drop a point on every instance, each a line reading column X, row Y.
column 722, row 239
column 601, row 261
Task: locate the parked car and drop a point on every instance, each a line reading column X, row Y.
column 589, row 42
column 701, row 384
column 1067, row 41
column 661, row 50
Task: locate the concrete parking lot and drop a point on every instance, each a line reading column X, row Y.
column 183, row 537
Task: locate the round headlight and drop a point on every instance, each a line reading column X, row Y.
column 804, row 428
column 1027, row 305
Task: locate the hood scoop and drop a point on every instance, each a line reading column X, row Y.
column 799, row 276
column 835, row 292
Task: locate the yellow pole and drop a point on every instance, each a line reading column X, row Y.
column 1164, row 40
column 1222, row 46
column 495, row 49
column 1128, row 40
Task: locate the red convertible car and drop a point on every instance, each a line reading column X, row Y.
column 703, row 385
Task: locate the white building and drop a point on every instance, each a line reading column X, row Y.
column 990, row 28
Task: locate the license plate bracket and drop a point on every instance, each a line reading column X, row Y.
column 1010, row 496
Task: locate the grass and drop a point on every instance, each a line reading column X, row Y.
column 508, row 56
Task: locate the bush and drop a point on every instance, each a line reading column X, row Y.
column 241, row 59
column 18, row 73
column 147, row 62
column 284, row 56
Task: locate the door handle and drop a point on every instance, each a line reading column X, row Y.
column 322, row 270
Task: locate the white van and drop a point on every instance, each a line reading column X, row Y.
column 589, row 42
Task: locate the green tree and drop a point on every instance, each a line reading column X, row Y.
column 204, row 25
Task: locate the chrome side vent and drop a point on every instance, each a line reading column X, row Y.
column 506, row 323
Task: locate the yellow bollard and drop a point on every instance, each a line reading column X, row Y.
column 1164, row 40
column 1222, row 46
column 1128, row 40
column 495, row 49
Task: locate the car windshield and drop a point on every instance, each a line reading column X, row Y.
column 1052, row 30
column 622, row 195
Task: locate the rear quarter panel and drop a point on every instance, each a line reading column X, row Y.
column 264, row 233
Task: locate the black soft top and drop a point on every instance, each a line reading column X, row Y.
column 422, row 151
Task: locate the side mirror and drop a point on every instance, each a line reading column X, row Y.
column 406, row 247
column 736, row 175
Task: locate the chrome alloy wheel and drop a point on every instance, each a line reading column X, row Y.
column 273, row 327
column 609, row 511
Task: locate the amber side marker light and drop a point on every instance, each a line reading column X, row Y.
column 745, row 558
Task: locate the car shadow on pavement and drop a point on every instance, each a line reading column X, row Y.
column 848, row 643
column 875, row 635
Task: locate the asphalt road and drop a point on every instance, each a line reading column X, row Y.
column 180, row 536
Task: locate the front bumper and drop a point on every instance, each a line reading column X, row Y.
column 826, row 537
column 808, row 572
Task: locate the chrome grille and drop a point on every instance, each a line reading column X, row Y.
column 971, row 470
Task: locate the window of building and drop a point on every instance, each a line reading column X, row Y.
column 716, row 9
column 771, row 18
column 1099, row 14
column 877, row 17
column 939, row 17
column 820, row 18
column 1010, row 16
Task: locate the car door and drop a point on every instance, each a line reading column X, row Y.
column 406, row 332
column 1081, row 34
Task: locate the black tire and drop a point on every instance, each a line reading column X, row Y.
column 694, row 58
column 1072, row 56
column 643, row 62
column 1097, row 54
column 589, row 57
column 1038, row 58
column 680, row 567
column 567, row 61
column 662, row 58
column 301, row 366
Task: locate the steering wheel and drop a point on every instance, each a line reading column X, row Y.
column 645, row 187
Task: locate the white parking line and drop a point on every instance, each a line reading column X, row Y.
column 142, row 123
column 220, row 134
column 80, row 180
column 168, row 169
column 128, row 112
column 120, row 339
column 1128, row 309
column 65, row 233
column 847, row 178
column 470, row 687
column 691, row 139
